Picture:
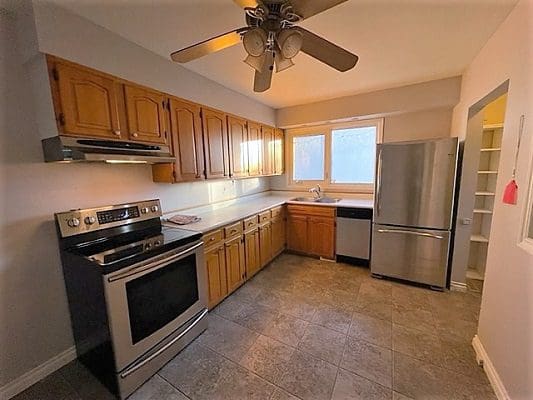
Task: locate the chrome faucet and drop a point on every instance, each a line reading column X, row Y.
column 317, row 191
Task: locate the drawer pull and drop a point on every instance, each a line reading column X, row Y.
column 233, row 231
column 212, row 239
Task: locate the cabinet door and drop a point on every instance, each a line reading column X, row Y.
column 321, row 241
column 265, row 243
column 279, row 152
column 278, row 235
column 235, row 263
column 215, row 143
column 89, row 103
column 238, row 147
column 146, row 114
column 251, row 244
column 186, row 129
column 216, row 275
column 255, row 150
column 267, row 139
column 297, row 233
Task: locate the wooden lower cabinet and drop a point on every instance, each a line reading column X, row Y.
column 247, row 247
column 215, row 261
column 278, row 235
column 297, row 233
column 311, row 230
column 265, row 243
column 235, row 263
column 321, row 236
column 251, row 245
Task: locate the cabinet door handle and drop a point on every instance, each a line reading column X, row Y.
column 134, row 134
column 117, row 132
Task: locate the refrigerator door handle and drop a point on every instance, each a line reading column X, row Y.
column 378, row 184
column 425, row 234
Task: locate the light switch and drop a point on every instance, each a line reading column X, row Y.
column 466, row 221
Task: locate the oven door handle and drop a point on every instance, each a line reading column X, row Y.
column 135, row 367
column 153, row 266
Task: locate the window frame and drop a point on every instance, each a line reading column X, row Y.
column 326, row 130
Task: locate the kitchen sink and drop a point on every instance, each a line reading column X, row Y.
column 314, row 200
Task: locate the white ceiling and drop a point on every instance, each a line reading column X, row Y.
column 398, row 41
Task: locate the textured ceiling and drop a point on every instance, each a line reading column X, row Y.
column 398, row 41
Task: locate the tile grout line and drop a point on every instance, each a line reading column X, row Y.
column 170, row 383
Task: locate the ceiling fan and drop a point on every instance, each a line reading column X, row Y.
column 271, row 38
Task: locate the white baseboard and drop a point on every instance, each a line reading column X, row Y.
column 458, row 286
column 494, row 379
column 36, row 374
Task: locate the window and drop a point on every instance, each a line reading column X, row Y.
column 337, row 156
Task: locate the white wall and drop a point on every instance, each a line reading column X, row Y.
column 506, row 319
column 34, row 317
column 413, row 112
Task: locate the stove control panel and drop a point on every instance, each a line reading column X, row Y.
column 76, row 222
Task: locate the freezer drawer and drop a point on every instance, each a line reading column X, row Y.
column 417, row 255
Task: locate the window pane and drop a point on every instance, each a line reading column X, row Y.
column 308, row 158
column 353, row 155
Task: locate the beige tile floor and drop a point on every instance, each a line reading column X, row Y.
column 309, row 329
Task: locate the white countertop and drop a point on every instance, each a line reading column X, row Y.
column 221, row 214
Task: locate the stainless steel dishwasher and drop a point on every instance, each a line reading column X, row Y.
column 354, row 232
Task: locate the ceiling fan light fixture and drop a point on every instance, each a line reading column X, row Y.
column 290, row 42
column 257, row 63
column 281, row 62
column 255, row 41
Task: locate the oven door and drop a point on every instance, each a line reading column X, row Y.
column 152, row 299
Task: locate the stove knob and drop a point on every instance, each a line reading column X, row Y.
column 154, row 208
column 73, row 222
column 148, row 245
column 90, row 220
column 144, row 210
column 158, row 243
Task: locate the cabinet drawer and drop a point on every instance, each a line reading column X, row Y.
column 233, row 230
column 250, row 222
column 264, row 216
column 276, row 212
column 319, row 211
column 212, row 238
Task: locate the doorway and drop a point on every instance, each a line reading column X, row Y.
column 479, row 174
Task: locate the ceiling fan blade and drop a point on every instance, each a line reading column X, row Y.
column 307, row 8
column 327, row 52
column 208, row 46
column 247, row 3
column 263, row 79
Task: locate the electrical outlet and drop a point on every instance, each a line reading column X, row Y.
column 466, row 221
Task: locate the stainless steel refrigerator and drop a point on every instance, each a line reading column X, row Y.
column 413, row 210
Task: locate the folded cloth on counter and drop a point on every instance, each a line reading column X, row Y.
column 184, row 219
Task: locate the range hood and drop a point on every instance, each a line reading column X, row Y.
column 78, row 149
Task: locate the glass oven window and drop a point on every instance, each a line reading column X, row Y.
column 159, row 297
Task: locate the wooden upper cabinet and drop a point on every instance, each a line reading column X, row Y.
column 255, row 149
column 238, row 146
column 86, row 103
column 146, row 114
column 267, row 140
column 187, row 145
column 279, row 153
column 215, row 143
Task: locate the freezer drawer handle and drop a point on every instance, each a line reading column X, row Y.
column 410, row 233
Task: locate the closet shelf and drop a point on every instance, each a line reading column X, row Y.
column 491, row 149
column 485, row 194
column 487, row 172
column 479, row 239
column 482, row 211
column 492, row 127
